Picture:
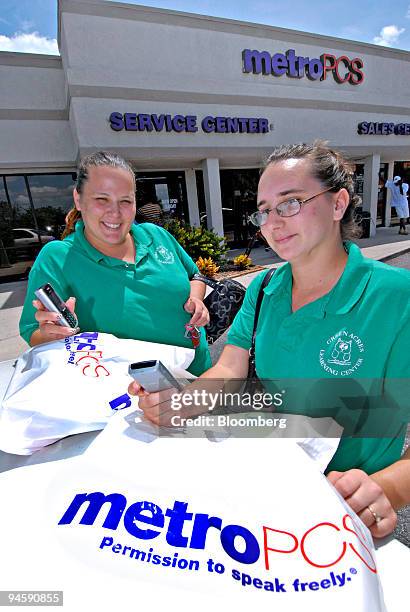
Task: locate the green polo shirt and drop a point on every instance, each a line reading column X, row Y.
column 345, row 355
column 142, row 300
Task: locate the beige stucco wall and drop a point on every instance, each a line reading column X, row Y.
column 127, row 58
column 34, row 127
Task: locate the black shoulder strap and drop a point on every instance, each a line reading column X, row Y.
column 264, row 284
column 205, row 279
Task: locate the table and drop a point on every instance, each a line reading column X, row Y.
column 393, row 558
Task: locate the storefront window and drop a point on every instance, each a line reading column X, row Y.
column 199, row 175
column 381, row 195
column 52, row 196
column 401, row 168
column 358, row 179
column 239, row 191
column 6, row 234
column 22, row 214
column 165, row 188
column 32, row 212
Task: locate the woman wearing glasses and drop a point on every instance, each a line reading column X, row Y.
column 328, row 316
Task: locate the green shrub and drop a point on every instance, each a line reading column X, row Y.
column 197, row 241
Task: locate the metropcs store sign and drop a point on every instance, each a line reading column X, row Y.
column 343, row 69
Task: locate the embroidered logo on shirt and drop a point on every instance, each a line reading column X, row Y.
column 343, row 354
column 163, row 255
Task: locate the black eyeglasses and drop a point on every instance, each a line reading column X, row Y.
column 290, row 208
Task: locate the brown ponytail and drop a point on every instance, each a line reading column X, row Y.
column 71, row 219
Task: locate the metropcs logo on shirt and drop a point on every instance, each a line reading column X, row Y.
column 163, row 255
column 343, row 353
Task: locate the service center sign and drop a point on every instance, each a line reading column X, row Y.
column 143, row 122
column 343, row 69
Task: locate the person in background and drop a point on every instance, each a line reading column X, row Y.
column 399, row 201
column 151, row 212
column 133, row 281
column 333, row 330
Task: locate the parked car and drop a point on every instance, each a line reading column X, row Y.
column 25, row 236
column 16, row 259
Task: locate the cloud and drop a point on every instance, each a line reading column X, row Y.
column 388, row 35
column 46, row 191
column 353, row 32
column 29, row 43
column 27, row 25
column 408, row 12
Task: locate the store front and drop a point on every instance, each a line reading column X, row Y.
column 195, row 103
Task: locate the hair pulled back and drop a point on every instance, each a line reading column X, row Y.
column 94, row 160
column 331, row 169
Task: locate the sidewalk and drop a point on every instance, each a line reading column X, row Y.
column 384, row 245
column 11, row 304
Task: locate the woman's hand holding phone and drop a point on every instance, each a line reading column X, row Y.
column 156, row 406
column 49, row 327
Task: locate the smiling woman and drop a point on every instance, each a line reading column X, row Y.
column 318, row 334
column 295, row 176
column 106, row 201
column 118, row 271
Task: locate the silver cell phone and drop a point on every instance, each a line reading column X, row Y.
column 52, row 302
column 153, row 376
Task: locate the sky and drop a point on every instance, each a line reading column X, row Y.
column 31, row 25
